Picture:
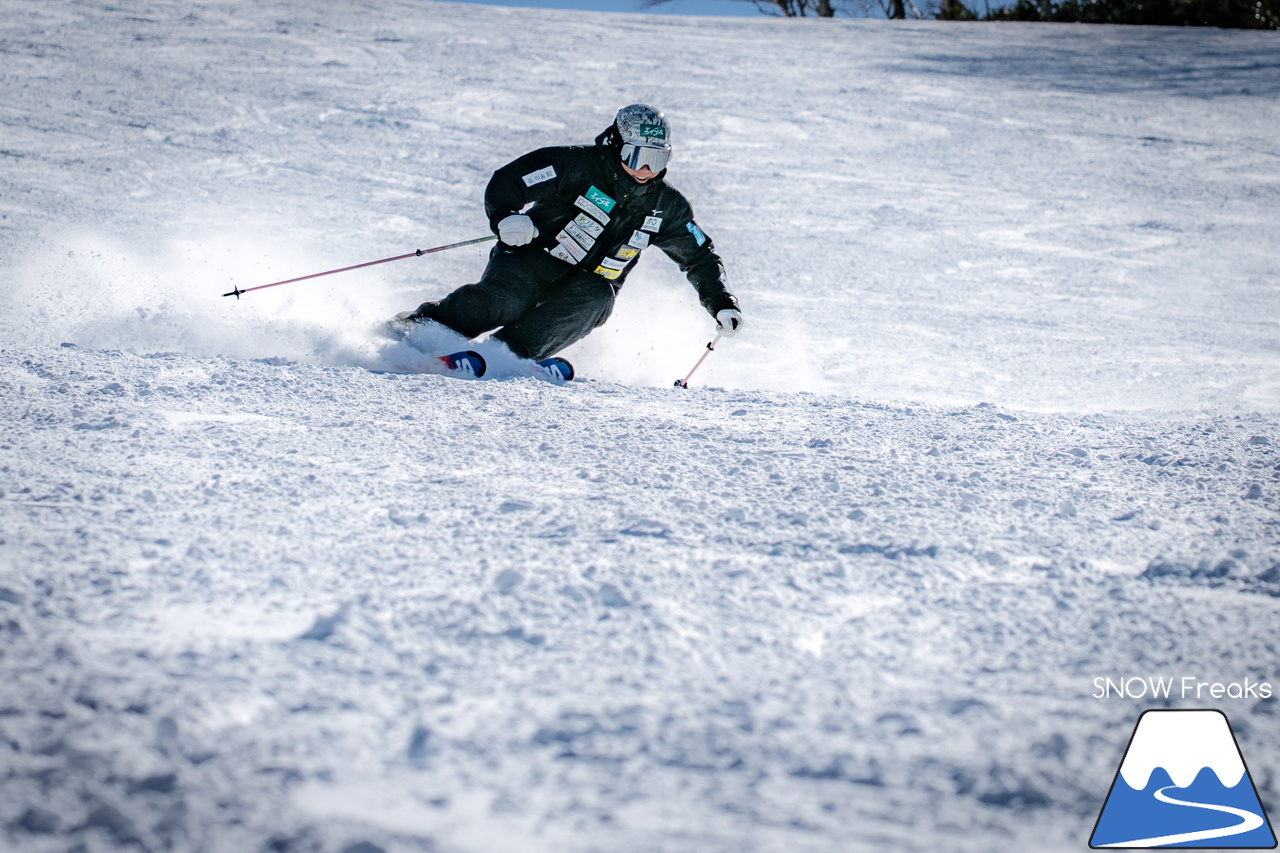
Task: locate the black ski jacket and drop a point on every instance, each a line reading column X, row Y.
column 593, row 216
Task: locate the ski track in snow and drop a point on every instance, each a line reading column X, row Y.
column 1003, row 420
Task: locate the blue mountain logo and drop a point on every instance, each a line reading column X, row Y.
column 1183, row 783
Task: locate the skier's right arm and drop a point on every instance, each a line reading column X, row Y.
column 526, row 179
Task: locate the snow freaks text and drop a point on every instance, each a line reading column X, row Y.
column 1186, row 687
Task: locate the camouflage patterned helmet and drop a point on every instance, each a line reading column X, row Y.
column 641, row 124
column 644, row 135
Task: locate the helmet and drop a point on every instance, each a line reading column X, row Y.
column 644, row 137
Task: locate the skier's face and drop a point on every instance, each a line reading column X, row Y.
column 642, row 175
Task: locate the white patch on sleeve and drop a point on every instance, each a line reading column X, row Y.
column 539, row 176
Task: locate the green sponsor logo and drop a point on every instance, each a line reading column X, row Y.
column 600, row 200
column 653, row 131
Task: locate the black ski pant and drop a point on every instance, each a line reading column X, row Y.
column 536, row 315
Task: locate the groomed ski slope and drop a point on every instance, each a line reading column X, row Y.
column 1003, row 421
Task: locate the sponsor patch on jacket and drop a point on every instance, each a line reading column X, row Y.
column 608, row 273
column 575, row 251
column 578, row 234
column 582, row 204
column 652, row 223
column 697, row 233
column 589, row 225
column 628, row 252
column 639, row 239
column 600, row 199
column 562, row 253
column 614, row 263
column 540, row 176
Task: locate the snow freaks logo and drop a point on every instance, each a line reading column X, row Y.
column 1183, row 783
column 1187, row 687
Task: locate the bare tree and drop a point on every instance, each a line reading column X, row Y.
column 781, row 8
column 896, row 10
column 822, row 8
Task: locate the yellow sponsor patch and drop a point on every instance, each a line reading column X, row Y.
column 608, row 273
column 628, row 252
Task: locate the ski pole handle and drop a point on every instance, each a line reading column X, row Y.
column 711, row 345
column 419, row 253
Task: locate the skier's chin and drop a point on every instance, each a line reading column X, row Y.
column 640, row 177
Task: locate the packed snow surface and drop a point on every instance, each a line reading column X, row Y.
column 1002, row 426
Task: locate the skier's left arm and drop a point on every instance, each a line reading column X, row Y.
column 688, row 245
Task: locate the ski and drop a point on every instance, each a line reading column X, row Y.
column 554, row 369
column 470, row 364
column 461, row 365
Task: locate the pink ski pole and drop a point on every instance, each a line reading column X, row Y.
column 419, row 253
column 711, row 345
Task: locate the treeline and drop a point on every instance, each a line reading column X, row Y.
column 1233, row 14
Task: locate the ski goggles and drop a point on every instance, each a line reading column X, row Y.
column 639, row 156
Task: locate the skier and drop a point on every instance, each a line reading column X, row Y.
column 571, row 221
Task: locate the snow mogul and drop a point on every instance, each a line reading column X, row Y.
column 571, row 222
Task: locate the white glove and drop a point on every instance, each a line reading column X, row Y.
column 517, row 230
column 728, row 321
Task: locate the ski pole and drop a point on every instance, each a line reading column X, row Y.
column 711, row 345
column 419, row 253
